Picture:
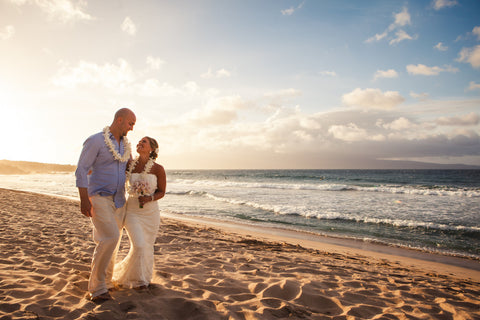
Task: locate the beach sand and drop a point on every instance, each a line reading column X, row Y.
column 203, row 271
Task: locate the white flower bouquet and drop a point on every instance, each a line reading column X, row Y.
column 139, row 188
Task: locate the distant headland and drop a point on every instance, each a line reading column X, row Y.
column 26, row 167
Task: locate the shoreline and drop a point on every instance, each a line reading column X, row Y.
column 446, row 235
column 207, row 271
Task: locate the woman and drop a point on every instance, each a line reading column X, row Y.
column 147, row 183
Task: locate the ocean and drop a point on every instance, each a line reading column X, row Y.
column 430, row 210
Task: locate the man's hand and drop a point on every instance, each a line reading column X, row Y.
column 85, row 204
column 86, row 208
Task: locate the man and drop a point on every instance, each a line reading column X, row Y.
column 100, row 178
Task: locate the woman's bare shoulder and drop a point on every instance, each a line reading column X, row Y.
column 158, row 168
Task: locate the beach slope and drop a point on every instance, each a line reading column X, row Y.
column 204, row 272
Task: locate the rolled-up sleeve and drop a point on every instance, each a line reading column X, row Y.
column 85, row 162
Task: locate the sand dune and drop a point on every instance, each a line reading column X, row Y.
column 202, row 272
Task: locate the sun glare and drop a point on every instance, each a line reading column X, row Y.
column 13, row 129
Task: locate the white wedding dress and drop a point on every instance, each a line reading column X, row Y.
column 136, row 269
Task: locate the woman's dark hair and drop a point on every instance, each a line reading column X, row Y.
column 154, row 146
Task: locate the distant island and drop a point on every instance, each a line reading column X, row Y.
column 26, row 167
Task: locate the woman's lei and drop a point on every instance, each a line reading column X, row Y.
column 116, row 155
column 140, row 187
column 146, row 169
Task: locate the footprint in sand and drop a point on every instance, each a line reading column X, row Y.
column 285, row 289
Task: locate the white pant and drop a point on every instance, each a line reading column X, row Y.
column 107, row 226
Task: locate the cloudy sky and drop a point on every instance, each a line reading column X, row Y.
column 244, row 83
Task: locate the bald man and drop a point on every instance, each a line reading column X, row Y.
column 102, row 196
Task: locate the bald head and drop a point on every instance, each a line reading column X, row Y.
column 123, row 122
column 123, row 113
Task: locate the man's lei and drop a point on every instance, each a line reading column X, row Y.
column 116, row 155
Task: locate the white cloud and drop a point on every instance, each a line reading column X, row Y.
column 290, row 92
column 421, row 69
column 377, row 37
column 217, row 130
column 62, row 10
column 373, row 98
column 47, row 52
column 112, row 76
column 153, row 88
column 154, row 63
column 287, row 130
column 216, row 126
column 120, row 78
column 390, row 73
column 399, row 124
column 129, row 27
column 219, row 111
column 328, row 73
column 420, row 96
column 440, row 4
column 288, row 12
column 476, row 31
column 470, row 55
column 223, row 73
column 400, row 36
column 350, row 132
column 440, row 47
column 190, row 87
column 291, row 10
column 7, row 32
column 470, row 119
column 401, row 19
column 473, row 86
column 220, row 73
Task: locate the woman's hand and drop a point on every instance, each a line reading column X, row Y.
column 142, row 200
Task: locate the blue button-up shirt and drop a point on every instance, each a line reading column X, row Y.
column 108, row 175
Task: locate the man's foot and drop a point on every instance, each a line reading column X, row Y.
column 114, row 288
column 101, row 297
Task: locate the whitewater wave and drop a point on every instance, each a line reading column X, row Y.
column 306, row 212
column 392, row 189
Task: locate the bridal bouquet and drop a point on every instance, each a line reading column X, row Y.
column 139, row 188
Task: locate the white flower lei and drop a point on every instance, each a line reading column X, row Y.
column 146, row 169
column 116, row 155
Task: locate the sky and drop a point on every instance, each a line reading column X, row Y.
column 243, row 84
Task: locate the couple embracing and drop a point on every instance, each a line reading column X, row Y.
column 104, row 168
